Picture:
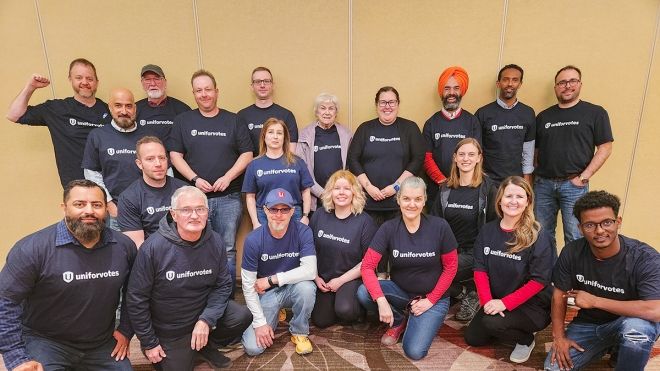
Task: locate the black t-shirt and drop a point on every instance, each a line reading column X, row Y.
column 142, row 206
column 211, row 145
column 503, row 132
column 340, row 243
column 462, row 213
column 566, row 137
column 415, row 258
column 112, row 153
column 255, row 117
column 632, row 274
column 441, row 136
column 158, row 120
column 509, row 271
column 69, row 123
column 327, row 154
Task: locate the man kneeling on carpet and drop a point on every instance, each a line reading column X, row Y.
column 422, row 254
column 278, row 271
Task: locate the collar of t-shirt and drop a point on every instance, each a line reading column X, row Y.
column 64, row 237
column 452, row 115
column 161, row 104
column 122, row 130
column 503, row 105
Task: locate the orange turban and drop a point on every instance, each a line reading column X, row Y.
column 459, row 74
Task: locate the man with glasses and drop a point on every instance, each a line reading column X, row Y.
column 255, row 115
column 178, row 293
column 566, row 135
column 278, row 271
column 615, row 281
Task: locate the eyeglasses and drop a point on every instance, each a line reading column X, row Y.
column 565, row 83
column 265, row 82
column 385, row 103
column 605, row 224
column 152, row 79
column 281, row 210
column 187, row 211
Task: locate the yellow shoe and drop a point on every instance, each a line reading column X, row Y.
column 282, row 316
column 303, row 345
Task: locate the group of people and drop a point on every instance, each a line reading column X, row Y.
column 339, row 227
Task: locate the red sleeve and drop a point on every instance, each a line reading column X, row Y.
column 482, row 282
column 524, row 293
column 432, row 169
column 449, row 267
column 368, row 271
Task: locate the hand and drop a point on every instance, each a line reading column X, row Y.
column 200, row 335
column 320, row 283
column 388, row 191
column 255, row 224
column 495, row 306
column 583, row 299
column 37, row 81
column 112, row 209
column 261, row 285
column 420, row 306
column 335, row 283
column 265, row 336
column 577, row 182
column 121, row 350
column 385, row 314
column 221, row 184
column 561, row 352
column 203, row 185
column 304, row 220
column 156, row 354
column 29, row 366
column 375, row 193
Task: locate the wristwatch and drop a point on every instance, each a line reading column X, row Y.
column 305, row 214
column 270, row 281
column 584, row 179
column 396, row 186
column 194, row 179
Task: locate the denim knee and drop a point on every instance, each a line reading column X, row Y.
column 414, row 352
column 637, row 331
column 364, row 297
column 253, row 349
column 305, row 290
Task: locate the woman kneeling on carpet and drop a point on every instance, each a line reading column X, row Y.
column 513, row 261
column 422, row 253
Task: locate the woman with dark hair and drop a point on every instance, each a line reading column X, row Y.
column 466, row 200
column 513, row 261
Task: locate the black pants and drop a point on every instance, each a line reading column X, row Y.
column 380, row 217
column 341, row 305
column 464, row 274
column 230, row 327
column 514, row 327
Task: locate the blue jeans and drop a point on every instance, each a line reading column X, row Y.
column 261, row 215
column 421, row 330
column 225, row 217
column 55, row 356
column 299, row 297
column 634, row 336
column 552, row 196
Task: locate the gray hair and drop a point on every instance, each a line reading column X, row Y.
column 412, row 182
column 326, row 97
column 188, row 190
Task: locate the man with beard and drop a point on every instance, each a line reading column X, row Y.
column 507, row 129
column 278, row 271
column 60, row 289
column 69, row 120
column 109, row 158
column 144, row 203
column 566, row 135
column 178, row 294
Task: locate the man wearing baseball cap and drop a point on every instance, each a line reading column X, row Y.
column 278, row 269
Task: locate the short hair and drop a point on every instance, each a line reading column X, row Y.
column 188, row 190
column 569, row 67
column 386, row 89
column 325, row 97
column 412, row 182
column 203, row 72
column 596, row 200
column 84, row 183
column 84, row 62
column 359, row 199
column 454, row 175
column 511, row 66
column 144, row 140
column 261, row 68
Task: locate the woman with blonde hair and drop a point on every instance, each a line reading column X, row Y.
column 342, row 233
column 513, row 261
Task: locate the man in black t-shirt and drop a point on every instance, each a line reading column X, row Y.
column 615, row 281
column 69, row 120
column 566, row 135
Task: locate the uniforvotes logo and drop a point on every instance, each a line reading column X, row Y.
column 193, row 132
column 486, row 250
column 320, row 234
column 111, row 151
column 170, row 275
column 69, row 276
column 493, row 128
column 143, row 122
column 72, row 122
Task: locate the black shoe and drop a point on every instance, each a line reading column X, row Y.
column 214, row 357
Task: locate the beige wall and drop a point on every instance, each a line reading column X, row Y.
column 350, row 48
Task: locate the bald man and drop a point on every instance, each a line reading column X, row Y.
column 109, row 157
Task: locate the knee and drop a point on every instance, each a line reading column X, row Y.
column 493, row 324
column 637, row 331
column 252, row 349
column 348, row 311
column 548, row 365
column 321, row 321
column 414, row 352
column 305, row 290
column 363, row 295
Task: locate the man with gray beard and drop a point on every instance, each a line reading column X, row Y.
column 60, row 287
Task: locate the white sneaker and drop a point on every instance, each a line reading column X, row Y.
column 521, row 352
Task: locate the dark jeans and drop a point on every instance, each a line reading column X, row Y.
column 514, row 327
column 341, row 305
column 379, row 218
column 58, row 357
column 464, row 273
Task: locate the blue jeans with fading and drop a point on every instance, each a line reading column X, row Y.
column 551, row 196
column 225, row 217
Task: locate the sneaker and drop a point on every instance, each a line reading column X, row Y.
column 392, row 335
column 469, row 307
column 303, row 345
column 521, row 352
column 214, row 358
column 282, row 315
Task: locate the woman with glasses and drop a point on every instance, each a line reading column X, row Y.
column 342, row 233
column 513, row 261
column 323, row 145
column 466, row 200
column 276, row 167
column 422, row 252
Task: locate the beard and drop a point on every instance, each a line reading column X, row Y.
column 88, row 93
column 155, row 94
column 124, row 122
column 85, row 232
column 451, row 106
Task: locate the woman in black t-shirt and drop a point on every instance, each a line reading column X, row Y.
column 513, row 261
